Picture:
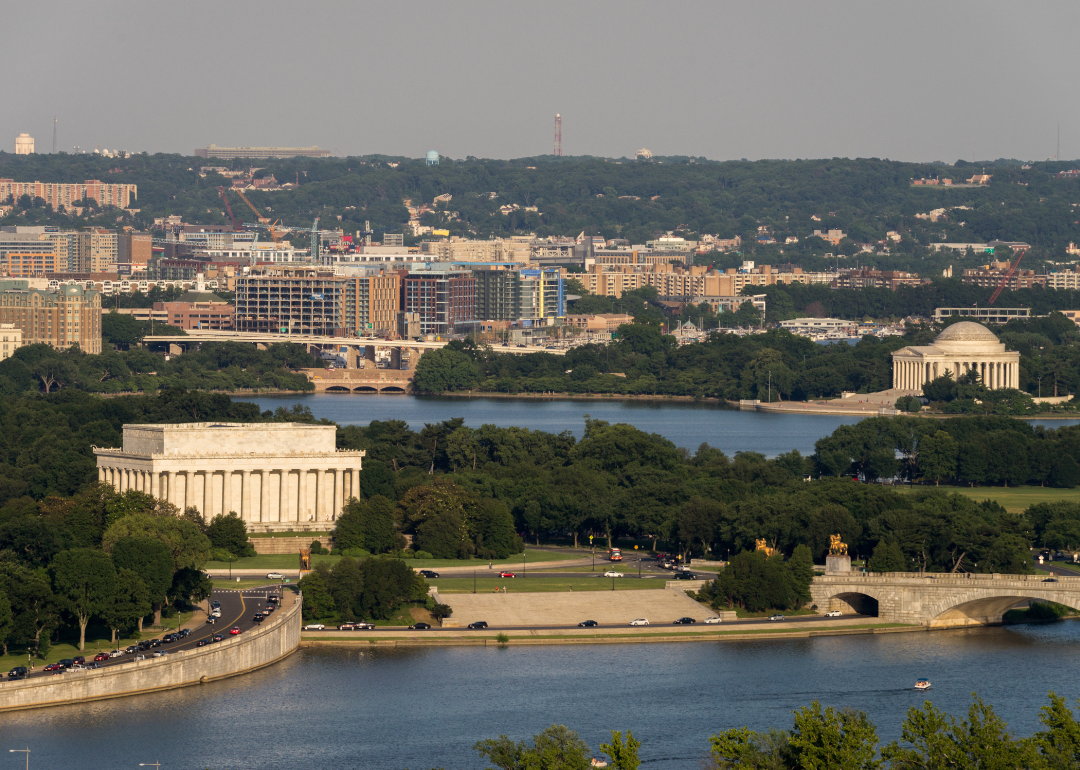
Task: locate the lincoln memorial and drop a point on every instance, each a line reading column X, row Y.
column 961, row 348
column 277, row 476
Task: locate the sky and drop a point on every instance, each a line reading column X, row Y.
column 914, row 81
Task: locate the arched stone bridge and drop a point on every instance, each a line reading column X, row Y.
column 939, row 599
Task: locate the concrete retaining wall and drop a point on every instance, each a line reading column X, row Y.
column 236, row 655
column 288, row 545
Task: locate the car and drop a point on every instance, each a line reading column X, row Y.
column 185, row 633
column 683, row 576
column 347, row 627
column 429, row 573
column 834, row 614
column 143, row 645
column 274, row 576
column 776, row 617
column 131, row 649
column 612, row 574
column 78, row 660
column 140, row 657
column 67, row 662
column 314, row 627
column 257, row 618
column 54, row 667
column 168, row 639
column 101, row 656
column 92, row 666
column 683, row 621
column 216, row 612
column 1051, row 580
column 588, row 624
column 478, row 624
column 234, row 631
column 507, row 574
column 201, row 643
column 420, row 626
column 665, row 564
column 158, row 654
column 551, row 347
column 155, row 642
column 211, row 621
column 713, row 619
column 639, row 622
column 362, row 626
column 219, row 638
column 19, row 672
column 115, row 653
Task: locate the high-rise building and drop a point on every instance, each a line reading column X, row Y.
column 10, row 340
column 443, row 299
column 27, row 255
column 519, row 295
column 68, row 316
column 372, row 301
column 24, row 144
column 261, row 153
column 291, row 300
column 67, row 195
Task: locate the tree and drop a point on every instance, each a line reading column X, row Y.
column 7, row 622
column 152, row 561
column 229, row 532
column 189, row 586
column 887, row 557
column 367, row 524
column 187, row 544
column 624, row 756
column 85, row 582
column 318, row 603
column 131, row 602
column 833, row 740
column 556, row 748
column 1059, row 744
column 937, row 456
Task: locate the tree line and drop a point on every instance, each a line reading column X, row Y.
column 833, row 738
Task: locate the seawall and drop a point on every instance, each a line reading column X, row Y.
column 234, row 656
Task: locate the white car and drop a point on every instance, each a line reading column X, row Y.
column 215, row 613
column 712, row 619
column 274, row 576
column 115, row 653
column 834, row 614
column 639, row 622
column 612, row 573
column 314, row 627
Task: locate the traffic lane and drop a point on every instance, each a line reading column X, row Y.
column 650, row 573
column 1056, row 570
column 726, row 623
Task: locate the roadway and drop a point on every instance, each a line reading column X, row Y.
column 237, row 609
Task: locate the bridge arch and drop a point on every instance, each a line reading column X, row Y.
column 393, row 389
column 365, row 389
column 853, row 603
column 337, row 389
column 988, row 606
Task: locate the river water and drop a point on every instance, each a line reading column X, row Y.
column 686, row 423
column 424, row 708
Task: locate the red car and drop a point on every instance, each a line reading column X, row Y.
column 53, row 667
column 101, row 656
column 507, row 574
column 234, row 631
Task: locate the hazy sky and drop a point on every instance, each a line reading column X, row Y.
column 902, row 80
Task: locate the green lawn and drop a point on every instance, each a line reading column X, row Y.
column 485, row 585
column 1013, row 499
column 289, row 561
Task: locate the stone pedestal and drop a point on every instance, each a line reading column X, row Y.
column 837, row 564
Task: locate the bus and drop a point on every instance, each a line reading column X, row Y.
column 614, row 554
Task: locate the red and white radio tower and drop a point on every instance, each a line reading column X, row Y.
column 558, row 135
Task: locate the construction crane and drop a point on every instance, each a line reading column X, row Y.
column 260, row 217
column 1008, row 274
column 225, row 199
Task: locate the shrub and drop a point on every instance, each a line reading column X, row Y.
column 355, row 553
column 220, row 554
column 1047, row 611
column 422, row 555
column 440, row 611
column 502, row 638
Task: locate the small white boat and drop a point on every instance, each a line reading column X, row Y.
column 597, row 762
column 922, row 684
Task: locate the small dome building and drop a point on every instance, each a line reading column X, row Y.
column 960, row 348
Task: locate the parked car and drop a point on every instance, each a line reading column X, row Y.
column 140, row 657
column 115, row 653
column 639, row 622
column 684, row 576
column 67, row 662
column 588, row 624
column 154, row 643
column 478, row 624
column 684, row 621
column 218, row 638
column 507, row 574
column 19, row 672
column 420, row 626
column 314, row 627
column 612, row 574
column 257, row 618
column 776, row 617
column 429, row 573
column 101, row 656
column 234, row 631
column 131, row 649
column 201, row 643
column 274, row 576
column 834, row 614
column 713, row 619
column 185, row 633
column 54, row 667
column 168, row 639
column 78, row 660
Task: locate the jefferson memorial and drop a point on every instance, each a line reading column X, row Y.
column 275, row 475
column 959, row 349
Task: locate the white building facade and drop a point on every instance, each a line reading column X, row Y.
column 276, row 476
column 961, row 348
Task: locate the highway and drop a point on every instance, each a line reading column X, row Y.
column 237, row 609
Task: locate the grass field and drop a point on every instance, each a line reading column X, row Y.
column 1013, row 499
column 270, row 561
column 486, row 585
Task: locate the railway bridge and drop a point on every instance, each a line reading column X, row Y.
column 940, row 599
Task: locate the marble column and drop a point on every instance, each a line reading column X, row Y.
column 170, row 477
column 245, row 495
column 354, row 483
column 189, row 489
column 101, row 474
column 264, row 503
column 283, row 495
column 226, row 492
column 339, row 493
column 320, row 493
column 208, row 495
column 301, row 495
column 155, row 484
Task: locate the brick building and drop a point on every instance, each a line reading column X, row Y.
column 62, row 318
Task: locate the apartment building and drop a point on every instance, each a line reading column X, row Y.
column 67, row 195
column 600, row 322
column 372, row 301
column 1069, row 279
column 291, row 300
column 992, row 274
column 68, row 316
column 10, row 340
column 879, row 279
column 23, row 256
column 442, row 298
column 519, row 295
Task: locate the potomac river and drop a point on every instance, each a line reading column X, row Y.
column 383, row 709
column 686, row 423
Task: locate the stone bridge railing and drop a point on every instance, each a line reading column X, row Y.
column 939, row 599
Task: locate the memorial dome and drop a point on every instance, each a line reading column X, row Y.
column 966, row 331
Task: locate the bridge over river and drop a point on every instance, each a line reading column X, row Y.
column 940, row 599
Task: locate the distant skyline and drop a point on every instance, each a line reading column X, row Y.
column 913, row 81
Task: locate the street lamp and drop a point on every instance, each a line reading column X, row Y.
column 25, row 751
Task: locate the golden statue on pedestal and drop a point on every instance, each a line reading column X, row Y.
column 836, row 546
column 761, row 546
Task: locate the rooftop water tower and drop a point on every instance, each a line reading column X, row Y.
column 432, row 158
